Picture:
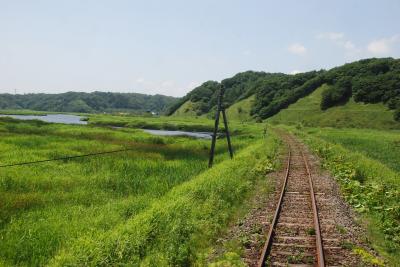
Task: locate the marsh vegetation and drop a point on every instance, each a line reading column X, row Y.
column 156, row 203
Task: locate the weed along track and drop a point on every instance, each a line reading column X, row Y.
column 301, row 232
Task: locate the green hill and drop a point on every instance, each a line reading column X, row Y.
column 88, row 102
column 273, row 91
column 366, row 87
column 307, row 111
column 187, row 109
column 240, row 111
column 373, row 81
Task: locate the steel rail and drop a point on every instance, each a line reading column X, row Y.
column 268, row 244
column 320, row 250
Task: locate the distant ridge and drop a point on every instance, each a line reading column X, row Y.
column 88, row 102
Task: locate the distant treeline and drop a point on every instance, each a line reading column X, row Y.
column 88, row 102
column 370, row 81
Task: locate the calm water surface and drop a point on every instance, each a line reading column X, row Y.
column 55, row 118
column 74, row 119
column 205, row 135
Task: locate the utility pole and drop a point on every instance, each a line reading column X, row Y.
column 220, row 108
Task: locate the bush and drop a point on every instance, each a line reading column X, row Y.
column 394, row 103
column 397, row 115
column 339, row 93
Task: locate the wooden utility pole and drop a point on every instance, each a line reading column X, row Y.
column 220, row 108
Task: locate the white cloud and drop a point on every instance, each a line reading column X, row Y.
column 293, row 72
column 383, row 46
column 378, row 47
column 339, row 39
column 297, row 49
column 349, row 45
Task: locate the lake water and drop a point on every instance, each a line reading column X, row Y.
column 74, row 119
column 55, row 118
column 204, row 135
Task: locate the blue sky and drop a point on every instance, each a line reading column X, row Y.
column 168, row 47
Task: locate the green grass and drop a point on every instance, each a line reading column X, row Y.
column 240, row 111
column 155, row 203
column 201, row 124
column 162, row 122
column 23, row 112
column 365, row 164
column 175, row 228
column 188, row 109
column 307, row 112
column 383, row 146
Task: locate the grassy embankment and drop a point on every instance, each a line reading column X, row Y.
column 239, row 111
column 307, row 112
column 175, row 123
column 165, row 123
column 366, row 165
column 134, row 121
column 24, row 112
column 157, row 204
column 188, row 109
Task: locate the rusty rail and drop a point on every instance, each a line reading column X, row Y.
column 320, row 250
column 268, row 244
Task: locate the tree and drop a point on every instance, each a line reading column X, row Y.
column 338, row 93
column 397, row 115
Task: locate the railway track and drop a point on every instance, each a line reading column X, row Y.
column 294, row 237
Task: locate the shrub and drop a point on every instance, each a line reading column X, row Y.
column 336, row 94
column 397, row 114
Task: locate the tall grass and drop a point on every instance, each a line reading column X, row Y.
column 383, row 146
column 50, row 209
column 175, row 229
column 165, row 123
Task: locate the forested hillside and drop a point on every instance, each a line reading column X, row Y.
column 87, row 102
column 367, row 81
column 272, row 90
column 307, row 112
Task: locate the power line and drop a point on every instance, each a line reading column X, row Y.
column 66, row 157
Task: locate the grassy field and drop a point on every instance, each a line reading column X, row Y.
column 156, row 204
column 307, row 112
column 188, row 109
column 175, row 123
column 134, row 121
column 366, row 165
column 383, row 146
column 162, row 122
column 240, row 111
